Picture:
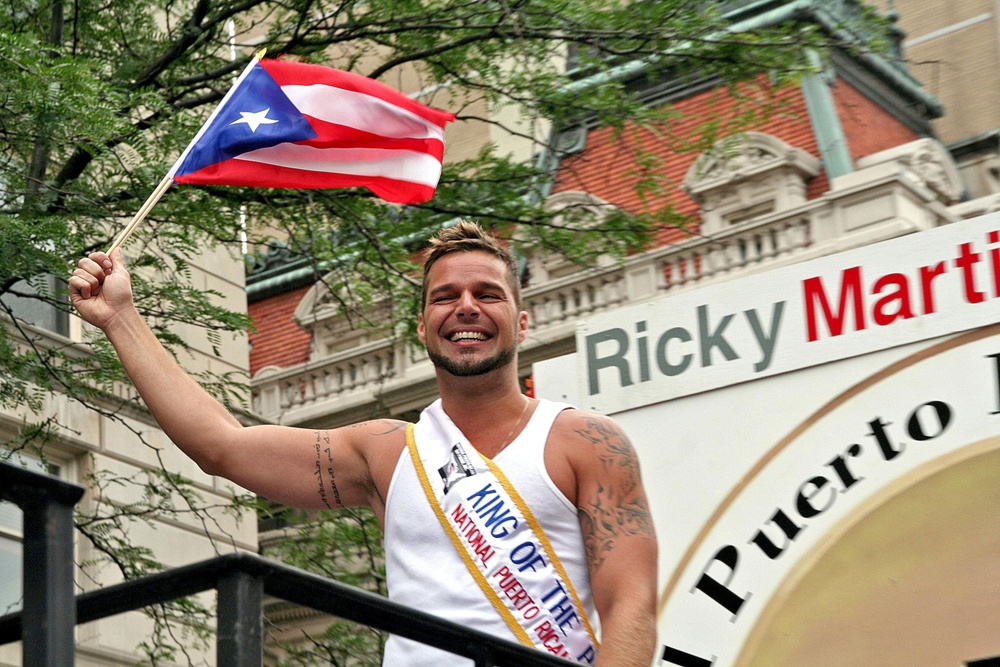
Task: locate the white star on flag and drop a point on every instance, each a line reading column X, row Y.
column 255, row 120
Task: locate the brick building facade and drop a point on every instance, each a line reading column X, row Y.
column 850, row 156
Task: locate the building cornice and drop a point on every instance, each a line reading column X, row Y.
column 769, row 13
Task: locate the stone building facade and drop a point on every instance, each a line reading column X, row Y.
column 129, row 444
column 952, row 47
column 848, row 157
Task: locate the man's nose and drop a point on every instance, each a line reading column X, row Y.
column 467, row 305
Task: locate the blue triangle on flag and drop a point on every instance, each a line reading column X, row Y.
column 242, row 126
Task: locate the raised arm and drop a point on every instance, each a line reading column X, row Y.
column 619, row 538
column 297, row 467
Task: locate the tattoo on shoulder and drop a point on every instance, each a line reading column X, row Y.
column 388, row 426
column 618, row 507
column 325, row 475
column 380, row 426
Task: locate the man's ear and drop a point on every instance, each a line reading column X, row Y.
column 522, row 326
column 421, row 330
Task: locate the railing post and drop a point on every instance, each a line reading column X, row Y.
column 240, row 620
column 48, row 616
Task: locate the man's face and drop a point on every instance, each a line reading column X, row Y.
column 470, row 323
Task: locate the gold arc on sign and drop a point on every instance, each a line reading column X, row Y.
column 836, row 402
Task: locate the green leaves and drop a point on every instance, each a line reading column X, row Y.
column 345, row 545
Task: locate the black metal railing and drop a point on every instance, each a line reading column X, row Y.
column 48, row 613
column 45, row 624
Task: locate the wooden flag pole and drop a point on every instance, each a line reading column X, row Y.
column 143, row 211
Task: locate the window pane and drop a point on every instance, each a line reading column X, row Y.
column 10, row 575
column 10, row 518
column 10, row 514
column 37, row 312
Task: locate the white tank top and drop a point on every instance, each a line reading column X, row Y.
column 423, row 569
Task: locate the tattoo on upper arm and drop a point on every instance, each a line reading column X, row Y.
column 324, row 465
column 617, row 507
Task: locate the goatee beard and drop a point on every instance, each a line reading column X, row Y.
column 472, row 368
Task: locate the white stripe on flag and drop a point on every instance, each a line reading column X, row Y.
column 360, row 111
column 400, row 165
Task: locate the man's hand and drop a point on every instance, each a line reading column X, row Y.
column 100, row 288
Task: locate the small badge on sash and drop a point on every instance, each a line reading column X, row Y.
column 459, row 467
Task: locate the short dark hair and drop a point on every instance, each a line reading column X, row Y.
column 467, row 236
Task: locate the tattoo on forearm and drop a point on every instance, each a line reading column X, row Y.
column 619, row 507
column 324, row 464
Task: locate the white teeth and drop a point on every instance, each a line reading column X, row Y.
column 467, row 335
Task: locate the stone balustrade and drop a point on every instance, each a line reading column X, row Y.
column 353, row 373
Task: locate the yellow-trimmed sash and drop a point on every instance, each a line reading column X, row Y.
column 499, row 539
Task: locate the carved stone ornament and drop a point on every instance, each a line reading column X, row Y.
column 333, row 330
column 742, row 156
column 561, row 201
column 929, row 161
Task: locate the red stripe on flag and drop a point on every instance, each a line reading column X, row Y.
column 256, row 174
column 331, row 135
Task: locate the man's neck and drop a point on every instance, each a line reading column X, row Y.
column 478, row 405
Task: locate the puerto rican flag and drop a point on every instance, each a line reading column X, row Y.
column 295, row 125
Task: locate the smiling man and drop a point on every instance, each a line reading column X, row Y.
column 523, row 518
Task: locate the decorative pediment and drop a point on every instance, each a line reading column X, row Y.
column 572, row 208
column 748, row 175
column 335, row 324
column 578, row 209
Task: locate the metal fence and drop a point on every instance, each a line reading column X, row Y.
column 46, row 622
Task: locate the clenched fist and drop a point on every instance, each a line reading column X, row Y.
column 101, row 289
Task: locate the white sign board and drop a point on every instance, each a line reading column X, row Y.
column 908, row 289
column 773, row 415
